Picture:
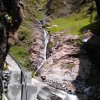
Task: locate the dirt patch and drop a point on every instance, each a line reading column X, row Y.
column 67, row 66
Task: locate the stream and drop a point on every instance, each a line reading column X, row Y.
column 42, row 57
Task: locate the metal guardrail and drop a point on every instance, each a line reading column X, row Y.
column 23, row 81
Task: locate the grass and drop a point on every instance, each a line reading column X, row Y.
column 20, row 51
column 74, row 23
column 21, row 54
column 71, row 24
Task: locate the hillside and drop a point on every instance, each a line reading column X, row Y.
column 60, row 8
column 53, row 8
column 70, row 16
column 66, row 56
column 19, row 48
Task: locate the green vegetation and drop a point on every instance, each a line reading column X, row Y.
column 70, row 25
column 20, row 50
column 74, row 23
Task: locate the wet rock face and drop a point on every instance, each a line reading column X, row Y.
column 36, row 46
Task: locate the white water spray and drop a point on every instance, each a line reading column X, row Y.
column 42, row 57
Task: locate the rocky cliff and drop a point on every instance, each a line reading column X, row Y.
column 60, row 8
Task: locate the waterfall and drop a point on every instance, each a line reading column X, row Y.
column 42, row 56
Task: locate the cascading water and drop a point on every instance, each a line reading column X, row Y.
column 42, row 58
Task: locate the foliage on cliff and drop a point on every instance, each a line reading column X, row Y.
column 74, row 23
column 20, row 49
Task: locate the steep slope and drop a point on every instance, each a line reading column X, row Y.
column 59, row 8
column 19, row 48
